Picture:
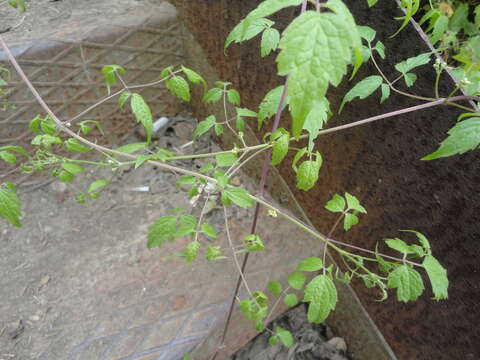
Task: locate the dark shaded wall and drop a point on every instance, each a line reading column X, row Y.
column 380, row 164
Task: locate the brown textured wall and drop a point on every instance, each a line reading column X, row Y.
column 380, row 164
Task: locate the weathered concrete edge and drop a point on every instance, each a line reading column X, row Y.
column 350, row 318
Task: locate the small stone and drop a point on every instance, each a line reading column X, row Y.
column 47, row 229
column 44, row 281
column 339, row 343
column 59, row 186
column 34, row 318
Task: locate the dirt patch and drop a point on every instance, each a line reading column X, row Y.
column 78, row 281
column 42, row 15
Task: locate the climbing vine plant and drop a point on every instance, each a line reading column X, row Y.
column 315, row 52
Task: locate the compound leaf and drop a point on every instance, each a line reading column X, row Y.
column 304, row 58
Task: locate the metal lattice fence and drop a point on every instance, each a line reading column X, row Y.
column 65, row 67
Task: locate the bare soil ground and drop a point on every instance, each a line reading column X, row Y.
column 42, row 15
column 76, row 272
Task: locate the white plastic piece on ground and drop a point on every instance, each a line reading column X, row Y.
column 160, row 123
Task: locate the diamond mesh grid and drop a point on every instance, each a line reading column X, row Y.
column 65, row 69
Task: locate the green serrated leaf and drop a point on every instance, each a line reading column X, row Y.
column 194, row 77
column 269, row 105
column 143, row 114
column 440, row 27
column 316, row 119
column 186, row 180
column 296, row 280
column 407, row 281
column 214, row 253
column 246, row 30
column 362, row 90
column 336, row 204
column 371, row 2
column 191, row 251
column 65, row 176
column 307, row 174
column 238, row 196
column 15, row 148
column 73, row 168
column 413, row 62
column 399, row 245
column 349, row 220
column 422, row 239
column 48, row 126
column 438, row 277
column 8, row 157
column 322, row 296
column 218, row 129
column 253, row 242
column 186, row 225
column 110, row 74
column 226, row 159
column 310, row 264
column 233, row 97
column 34, row 124
column 74, row 145
column 161, row 231
column 204, row 126
column 367, row 33
column 166, row 72
column 303, row 54
column 18, row 4
column 281, row 140
column 131, row 148
column 122, row 99
column 213, row 95
column 273, row 340
column 290, row 300
column 285, row 336
column 209, row 230
column 297, row 158
column 408, row 6
column 270, row 40
column 46, row 140
column 410, row 79
column 464, row 136
column 97, row 185
column 354, row 204
column 10, row 204
column 380, row 49
column 264, row 9
column 222, row 179
column 274, row 287
column 179, row 87
column 385, row 93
